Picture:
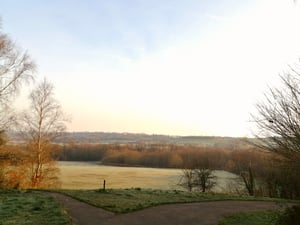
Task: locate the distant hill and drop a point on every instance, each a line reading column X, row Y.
column 130, row 138
column 136, row 138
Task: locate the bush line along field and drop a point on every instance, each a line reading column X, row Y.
column 159, row 155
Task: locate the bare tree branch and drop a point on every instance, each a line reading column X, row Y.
column 16, row 68
column 278, row 118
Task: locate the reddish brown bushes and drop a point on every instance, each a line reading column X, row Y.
column 262, row 173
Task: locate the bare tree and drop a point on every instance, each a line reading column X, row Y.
column 199, row 177
column 16, row 67
column 248, row 179
column 278, row 122
column 187, row 179
column 204, row 179
column 42, row 124
column 278, row 118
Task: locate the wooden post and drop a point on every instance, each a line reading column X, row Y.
column 103, row 185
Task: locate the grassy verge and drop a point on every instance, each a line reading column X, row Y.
column 127, row 200
column 30, row 208
column 252, row 218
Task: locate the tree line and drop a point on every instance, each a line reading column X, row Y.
column 262, row 172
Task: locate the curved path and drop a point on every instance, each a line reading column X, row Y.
column 202, row 213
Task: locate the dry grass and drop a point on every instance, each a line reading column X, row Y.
column 89, row 175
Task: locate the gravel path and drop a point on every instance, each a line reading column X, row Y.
column 203, row 213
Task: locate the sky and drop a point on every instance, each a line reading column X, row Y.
column 173, row 67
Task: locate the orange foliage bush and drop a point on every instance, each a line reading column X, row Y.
column 16, row 169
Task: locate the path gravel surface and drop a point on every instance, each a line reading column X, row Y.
column 203, row 213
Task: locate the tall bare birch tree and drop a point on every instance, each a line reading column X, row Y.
column 42, row 124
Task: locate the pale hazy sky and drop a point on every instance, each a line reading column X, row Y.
column 179, row 67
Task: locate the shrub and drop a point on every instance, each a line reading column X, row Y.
column 291, row 216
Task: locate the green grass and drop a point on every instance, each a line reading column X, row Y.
column 128, row 200
column 37, row 208
column 252, row 218
column 30, row 208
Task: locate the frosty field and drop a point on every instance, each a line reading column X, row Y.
column 90, row 175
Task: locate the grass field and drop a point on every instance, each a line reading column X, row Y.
column 85, row 175
column 30, row 208
column 90, row 175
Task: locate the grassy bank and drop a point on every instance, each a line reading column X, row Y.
column 30, row 208
column 127, row 200
column 252, row 218
column 289, row 216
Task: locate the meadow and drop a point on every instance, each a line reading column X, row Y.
column 90, row 175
